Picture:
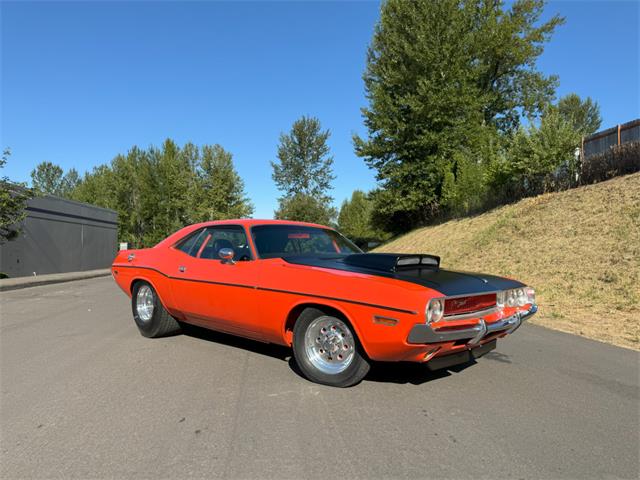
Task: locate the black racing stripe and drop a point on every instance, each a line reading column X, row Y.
column 239, row 285
column 289, row 292
column 447, row 282
column 119, row 265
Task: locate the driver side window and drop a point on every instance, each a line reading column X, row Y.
column 217, row 238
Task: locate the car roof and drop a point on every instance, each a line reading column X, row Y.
column 247, row 222
column 250, row 222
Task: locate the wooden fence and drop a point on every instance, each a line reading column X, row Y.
column 601, row 141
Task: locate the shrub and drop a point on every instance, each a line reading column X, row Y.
column 617, row 160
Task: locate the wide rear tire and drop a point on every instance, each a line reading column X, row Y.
column 327, row 349
column 150, row 316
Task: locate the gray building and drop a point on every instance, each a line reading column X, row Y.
column 60, row 235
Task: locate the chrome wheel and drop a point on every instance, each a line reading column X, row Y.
column 329, row 345
column 144, row 303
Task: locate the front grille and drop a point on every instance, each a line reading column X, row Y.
column 469, row 304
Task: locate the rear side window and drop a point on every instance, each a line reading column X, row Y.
column 192, row 243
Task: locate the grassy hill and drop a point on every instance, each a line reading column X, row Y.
column 579, row 249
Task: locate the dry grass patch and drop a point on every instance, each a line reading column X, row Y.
column 580, row 250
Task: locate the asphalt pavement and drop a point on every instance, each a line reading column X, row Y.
column 84, row 395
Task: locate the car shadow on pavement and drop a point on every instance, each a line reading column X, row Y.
column 268, row 349
column 409, row 372
column 391, row 372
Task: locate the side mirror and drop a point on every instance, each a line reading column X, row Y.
column 226, row 254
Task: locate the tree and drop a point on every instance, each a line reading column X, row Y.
column 543, row 157
column 159, row 190
column 96, row 187
column 355, row 217
column 47, row 178
column 70, row 182
column 219, row 190
column 13, row 201
column 584, row 115
column 301, row 207
column 442, row 78
column 304, row 173
column 164, row 177
column 464, row 189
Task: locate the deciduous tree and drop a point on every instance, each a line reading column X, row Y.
column 444, row 77
column 13, row 200
column 584, row 115
column 303, row 172
column 219, row 190
column 355, row 219
column 301, row 207
column 159, row 190
column 47, row 178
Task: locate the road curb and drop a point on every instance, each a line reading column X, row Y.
column 26, row 282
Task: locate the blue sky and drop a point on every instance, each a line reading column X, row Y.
column 83, row 81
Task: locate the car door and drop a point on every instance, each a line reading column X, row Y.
column 214, row 293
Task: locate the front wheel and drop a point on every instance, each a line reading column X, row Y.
column 327, row 351
column 149, row 314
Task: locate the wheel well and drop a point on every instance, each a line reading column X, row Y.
column 136, row 281
column 298, row 309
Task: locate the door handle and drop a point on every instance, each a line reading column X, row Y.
column 182, row 269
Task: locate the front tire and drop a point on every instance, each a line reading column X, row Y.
column 327, row 351
column 149, row 314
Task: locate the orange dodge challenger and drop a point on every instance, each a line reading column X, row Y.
column 308, row 287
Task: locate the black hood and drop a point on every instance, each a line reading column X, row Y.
column 423, row 272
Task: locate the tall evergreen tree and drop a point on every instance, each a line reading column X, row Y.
column 444, row 77
column 303, row 172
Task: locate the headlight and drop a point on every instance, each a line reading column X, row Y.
column 501, row 298
column 435, row 310
column 511, row 298
column 531, row 295
column 521, row 297
column 517, row 297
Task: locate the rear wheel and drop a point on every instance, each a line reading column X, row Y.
column 327, row 350
column 149, row 314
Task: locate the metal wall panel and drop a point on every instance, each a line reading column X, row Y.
column 60, row 235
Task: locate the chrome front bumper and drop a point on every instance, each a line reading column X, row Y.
column 423, row 333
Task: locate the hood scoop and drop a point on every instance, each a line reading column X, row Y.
column 393, row 262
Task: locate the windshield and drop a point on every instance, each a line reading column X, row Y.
column 283, row 240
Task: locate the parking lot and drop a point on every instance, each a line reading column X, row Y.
column 84, row 395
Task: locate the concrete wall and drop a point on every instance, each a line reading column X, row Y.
column 59, row 236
